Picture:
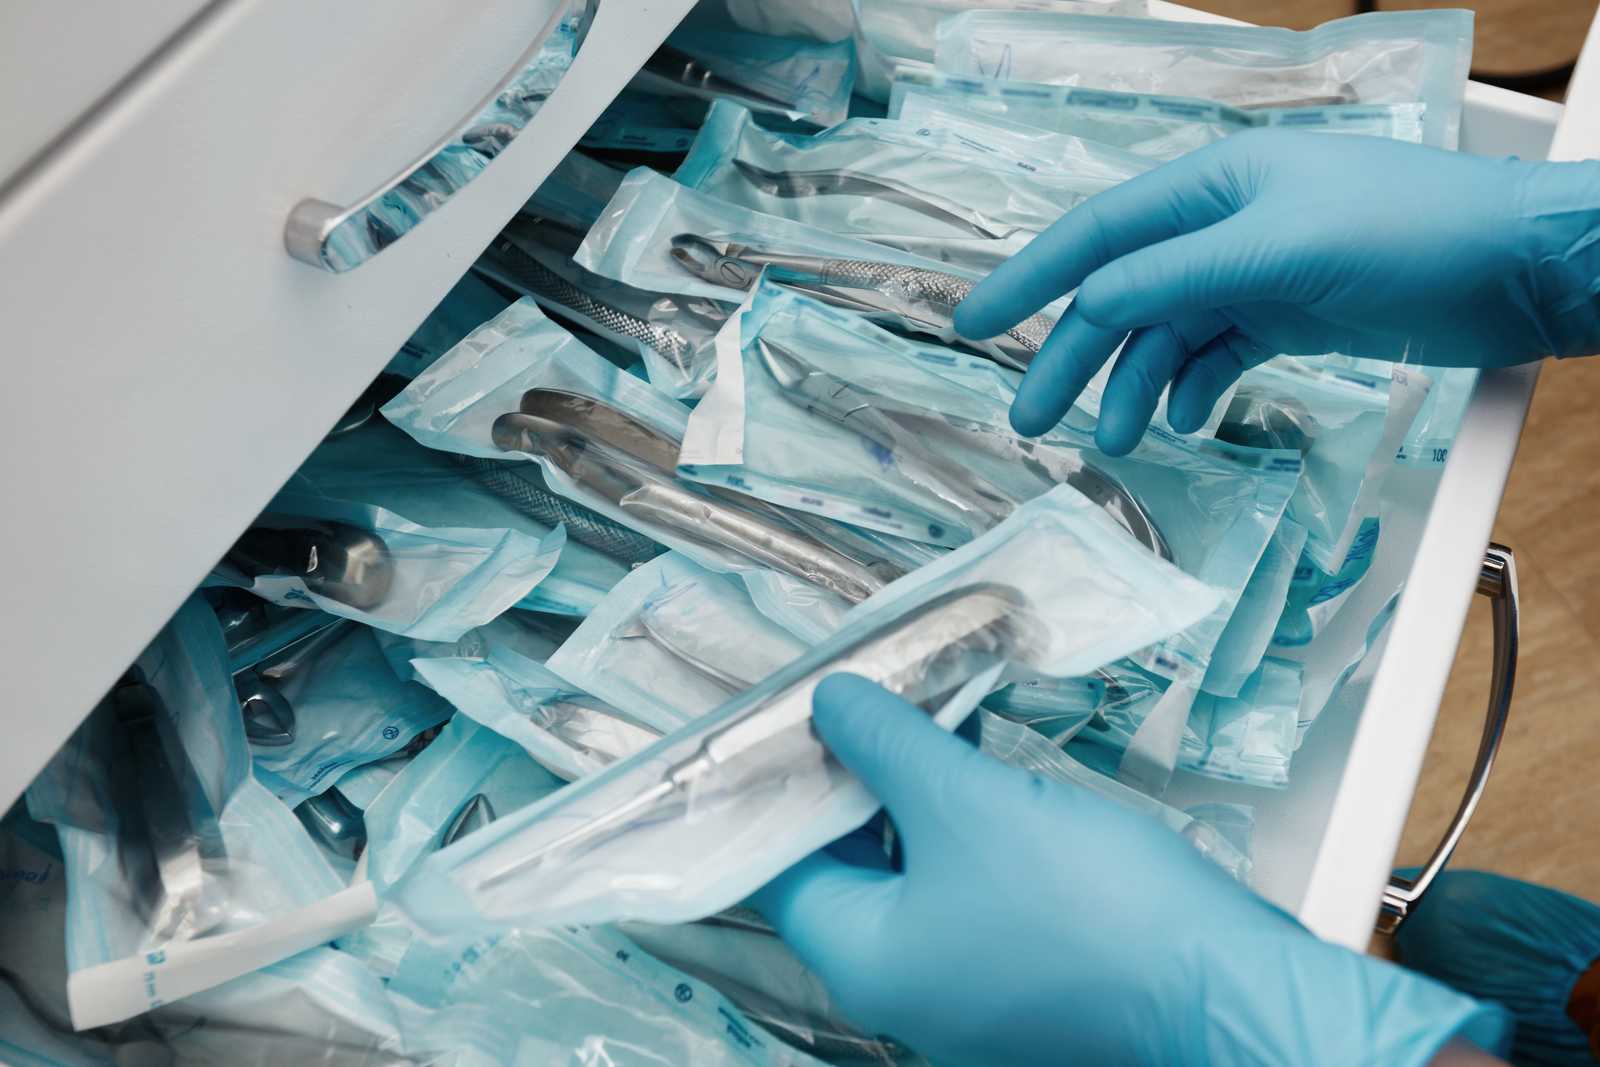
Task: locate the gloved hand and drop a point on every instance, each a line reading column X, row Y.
column 1276, row 241
column 1522, row 945
column 1037, row 923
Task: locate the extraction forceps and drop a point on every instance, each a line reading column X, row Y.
column 680, row 68
column 925, row 655
column 337, row 824
column 471, row 817
column 799, row 184
column 884, row 292
column 906, row 429
column 593, row 728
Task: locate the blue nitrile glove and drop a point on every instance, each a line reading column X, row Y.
column 1037, row 923
column 1522, row 945
column 1276, row 241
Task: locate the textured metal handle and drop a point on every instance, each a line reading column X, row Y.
column 338, row 238
column 1497, row 580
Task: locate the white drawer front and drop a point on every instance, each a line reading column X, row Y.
column 169, row 364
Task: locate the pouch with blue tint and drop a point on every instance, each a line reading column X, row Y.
column 905, row 29
column 1397, row 57
column 470, row 302
column 1013, row 743
column 574, row 193
column 802, row 80
column 673, row 335
column 697, row 821
column 1153, row 127
column 673, row 641
column 565, row 729
column 1315, row 596
column 523, row 388
column 920, row 188
column 647, row 124
column 169, row 842
column 1256, row 617
column 1347, row 425
column 533, row 635
column 819, row 410
column 327, row 705
column 530, row 998
column 1427, row 443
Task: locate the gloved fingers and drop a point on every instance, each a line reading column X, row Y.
column 1201, row 381
column 829, row 911
column 1187, row 194
column 1148, row 362
column 1216, row 267
column 1067, row 361
column 903, row 758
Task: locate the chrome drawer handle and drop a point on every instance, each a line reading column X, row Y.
column 1498, row 581
column 338, row 238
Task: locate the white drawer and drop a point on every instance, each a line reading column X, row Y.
column 168, row 364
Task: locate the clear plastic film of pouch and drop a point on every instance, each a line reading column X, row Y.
column 901, row 30
column 530, row 998
column 1256, row 617
column 1151, row 127
column 523, row 388
column 567, row 730
column 1400, row 57
column 799, row 80
column 1017, row 745
column 1427, row 443
column 468, row 303
column 919, row 188
column 1314, row 596
column 674, row 335
column 327, row 705
column 182, row 871
column 672, row 642
column 819, row 410
column 665, row 237
column 573, row 194
column 695, row 823
column 378, row 464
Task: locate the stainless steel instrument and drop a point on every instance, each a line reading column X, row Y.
column 474, row 815
column 334, row 559
column 792, row 184
column 681, row 68
column 923, row 656
column 336, row 823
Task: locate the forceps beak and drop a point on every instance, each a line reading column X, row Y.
column 713, row 262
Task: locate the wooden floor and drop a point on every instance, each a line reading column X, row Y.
column 1535, row 819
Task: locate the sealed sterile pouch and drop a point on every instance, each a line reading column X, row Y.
column 1058, row 708
column 1432, row 433
column 568, row 731
column 466, row 779
column 905, row 29
column 1390, row 57
column 1154, row 127
column 182, row 871
column 1017, row 745
column 531, row 998
column 1345, row 424
column 326, row 705
column 741, row 956
column 469, row 302
column 696, row 822
column 1314, row 596
column 919, row 188
column 660, row 235
column 535, row 635
column 521, row 387
column 821, row 411
column 1256, row 617
column 640, row 125
column 572, row 195
column 672, row 642
column 813, row 20
column 674, row 335
column 1250, row 737
column 33, row 919
column 801, row 80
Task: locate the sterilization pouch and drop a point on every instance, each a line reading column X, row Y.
column 469, row 302
column 922, row 189
column 819, row 410
column 1256, row 617
column 468, row 777
column 1250, row 737
column 568, row 731
column 696, row 822
column 574, row 193
column 336, row 704
column 659, row 235
column 1427, row 443
column 531, row 998
column 1153, row 127
column 672, row 642
column 802, row 80
column 643, row 124
column 1399, row 57
column 906, row 29
column 182, row 870
column 674, row 335
column 1017, row 745
column 521, row 387
column 1314, row 596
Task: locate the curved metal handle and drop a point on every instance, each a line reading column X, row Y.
column 1497, row 580
column 339, row 238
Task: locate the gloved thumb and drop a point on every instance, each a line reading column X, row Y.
column 900, row 754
